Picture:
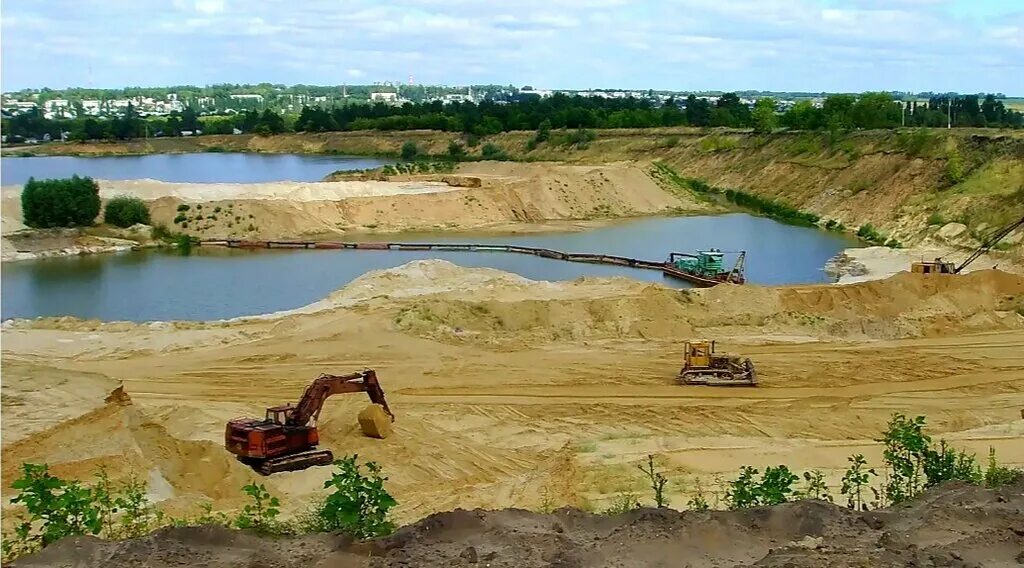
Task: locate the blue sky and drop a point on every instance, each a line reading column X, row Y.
column 807, row 45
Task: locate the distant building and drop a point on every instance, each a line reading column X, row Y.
column 249, row 98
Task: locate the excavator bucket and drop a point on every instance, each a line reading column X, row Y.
column 375, row 421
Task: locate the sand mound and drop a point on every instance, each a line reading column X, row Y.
column 951, row 525
column 905, row 305
column 119, row 438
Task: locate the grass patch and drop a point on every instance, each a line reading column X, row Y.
column 715, row 143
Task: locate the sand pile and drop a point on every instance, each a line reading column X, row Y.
column 119, row 438
column 904, row 305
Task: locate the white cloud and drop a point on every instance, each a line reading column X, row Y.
column 725, row 44
column 209, row 6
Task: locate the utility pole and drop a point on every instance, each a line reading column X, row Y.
column 949, row 112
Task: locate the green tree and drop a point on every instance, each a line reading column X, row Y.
column 67, row 202
column 764, row 116
column 125, row 211
column 409, row 151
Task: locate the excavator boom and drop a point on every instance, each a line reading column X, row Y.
column 308, row 409
column 997, row 236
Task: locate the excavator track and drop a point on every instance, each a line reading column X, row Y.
column 293, row 462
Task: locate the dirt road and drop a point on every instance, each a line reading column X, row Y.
column 510, row 392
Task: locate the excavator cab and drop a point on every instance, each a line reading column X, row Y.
column 279, row 414
column 937, row 266
column 702, row 366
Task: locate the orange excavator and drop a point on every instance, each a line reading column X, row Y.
column 287, row 438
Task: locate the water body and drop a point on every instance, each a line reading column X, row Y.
column 219, row 283
column 211, row 167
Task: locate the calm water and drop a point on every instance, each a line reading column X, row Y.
column 198, row 168
column 214, row 284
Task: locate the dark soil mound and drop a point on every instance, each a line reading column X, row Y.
column 954, row 525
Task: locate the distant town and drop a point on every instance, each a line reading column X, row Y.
column 229, row 99
column 32, row 116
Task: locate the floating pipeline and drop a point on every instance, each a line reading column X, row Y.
column 665, row 267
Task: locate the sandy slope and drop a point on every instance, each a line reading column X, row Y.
column 501, row 195
column 507, row 390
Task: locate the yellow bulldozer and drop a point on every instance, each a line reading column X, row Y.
column 702, row 366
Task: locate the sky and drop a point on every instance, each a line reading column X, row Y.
column 777, row 45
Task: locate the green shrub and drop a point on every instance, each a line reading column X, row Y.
column 834, row 226
column 670, row 142
column 492, row 152
column 857, row 483
column 956, row 170
column 410, row 151
column 997, row 475
column 714, row 143
column 915, row 143
column 180, row 218
column 774, row 487
column 815, row 487
column 67, row 202
column 125, row 211
column 868, row 232
column 771, row 208
column 623, row 502
column 359, row 504
column 936, row 219
column 184, row 207
column 456, row 151
column 581, row 138
column 261, row 514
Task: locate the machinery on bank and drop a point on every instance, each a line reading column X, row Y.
column 286, row 438
column 702, row 366
column 939, row 266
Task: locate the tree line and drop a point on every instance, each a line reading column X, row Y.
column 837, row 112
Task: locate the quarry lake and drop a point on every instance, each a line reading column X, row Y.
column 224, row 283
column 211, row 167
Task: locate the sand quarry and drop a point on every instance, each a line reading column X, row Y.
column 515, row 393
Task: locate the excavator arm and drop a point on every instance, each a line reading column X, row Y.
column 997, row 236
column 308, row 408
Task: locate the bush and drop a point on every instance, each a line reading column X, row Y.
column 581, row 138
column 997, row 475
column 936, row 219
column 857, row 482
column 492, row 152
column 409, row 151
column 184, row 207
column 771, row 208
column 456, row 151
column 956, row 171
column 774, row 487
column 359, row 504
column 261, row 514
column 125, row 211
column 623, row 502
column 868, row 232
column 67, row 202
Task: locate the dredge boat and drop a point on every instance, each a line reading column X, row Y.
column 704, row 268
